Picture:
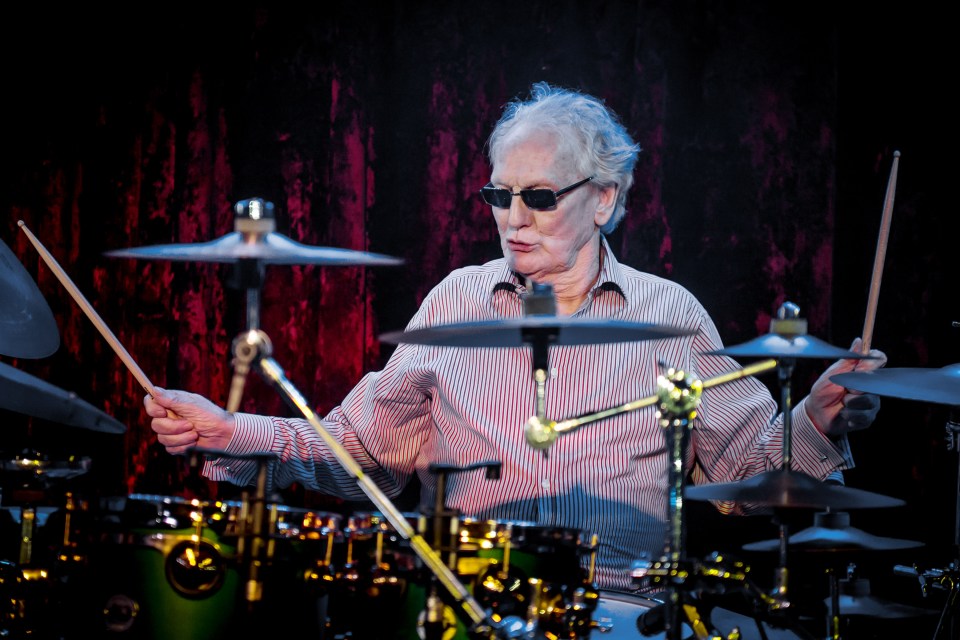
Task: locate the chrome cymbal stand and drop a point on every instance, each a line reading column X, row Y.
column 254, row 219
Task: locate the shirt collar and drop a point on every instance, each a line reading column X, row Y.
column 611, row 275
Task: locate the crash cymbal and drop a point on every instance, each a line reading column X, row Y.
column 517, row 332
column 27, row 326
column 23, row 393
column 774, row 345
column 268, row 248
column 791, row 489
column 940, row 386
column 832, row 532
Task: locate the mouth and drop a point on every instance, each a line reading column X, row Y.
column 519, row 247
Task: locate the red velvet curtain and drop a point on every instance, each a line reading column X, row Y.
column 767, row 135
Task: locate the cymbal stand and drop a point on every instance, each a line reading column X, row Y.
column 789, row 325
column 260, row 545
column 254, row 219
column 678, row 396
column 540, row 302
column 443, row 528
column 944, row 578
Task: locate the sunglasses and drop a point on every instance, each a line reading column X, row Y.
column 533, row 198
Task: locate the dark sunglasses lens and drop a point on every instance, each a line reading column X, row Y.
column 496, row 197
column 539, row 198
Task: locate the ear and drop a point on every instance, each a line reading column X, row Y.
column 606, row 203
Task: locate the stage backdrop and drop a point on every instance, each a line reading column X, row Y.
column 768, row 135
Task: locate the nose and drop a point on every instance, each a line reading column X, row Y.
column 519, row 214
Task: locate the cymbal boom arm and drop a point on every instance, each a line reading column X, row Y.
column 544, row 432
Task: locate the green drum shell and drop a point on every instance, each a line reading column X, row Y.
column 161, row 574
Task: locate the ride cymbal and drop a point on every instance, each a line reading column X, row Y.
column 518, row 332
column 791, row 489
column 774, row 345
column 23, row 393
column 27, row 326
column 940, row 386
column 267, row 248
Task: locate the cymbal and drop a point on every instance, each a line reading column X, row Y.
column 774, row 345
column 791, row 489
column 518, row 332
column 855, row 600
column 28, row 327
column 53, row 469
column 268, row 248
column 940, row 386
column 23, row 393
column 832, row 532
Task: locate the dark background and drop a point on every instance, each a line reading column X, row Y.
column 768, row 134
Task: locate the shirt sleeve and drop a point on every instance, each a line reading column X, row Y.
column 739, row 430
column 378, row 431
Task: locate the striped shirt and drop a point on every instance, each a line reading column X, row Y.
column 461, row 406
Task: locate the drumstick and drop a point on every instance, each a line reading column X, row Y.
column 91, row 313
column 878, row 259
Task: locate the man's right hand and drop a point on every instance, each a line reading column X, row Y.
column 184, row 420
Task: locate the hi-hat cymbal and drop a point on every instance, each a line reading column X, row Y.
column 855, row 600
column 267, row 248
column 791, row 489
column 832, row 532
column 23, row 393
column 774, row 345
column 940, row 386
column 27, row 326
column 518, row 332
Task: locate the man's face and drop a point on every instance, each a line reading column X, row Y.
column 544, row 244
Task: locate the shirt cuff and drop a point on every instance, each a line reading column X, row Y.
column 253, row 434
column 813, row 448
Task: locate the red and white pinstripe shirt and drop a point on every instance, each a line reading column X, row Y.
column 461, row 406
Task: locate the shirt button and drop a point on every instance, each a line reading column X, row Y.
column 545, row 484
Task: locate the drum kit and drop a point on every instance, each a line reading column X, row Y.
column 155, row 566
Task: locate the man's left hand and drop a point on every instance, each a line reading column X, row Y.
column 837, row 411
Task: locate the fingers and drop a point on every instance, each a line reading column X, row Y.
column 859, row 411
column 178, row 443
column 861, row 401
column 877, row 360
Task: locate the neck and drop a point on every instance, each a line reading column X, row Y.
column 572, row 289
